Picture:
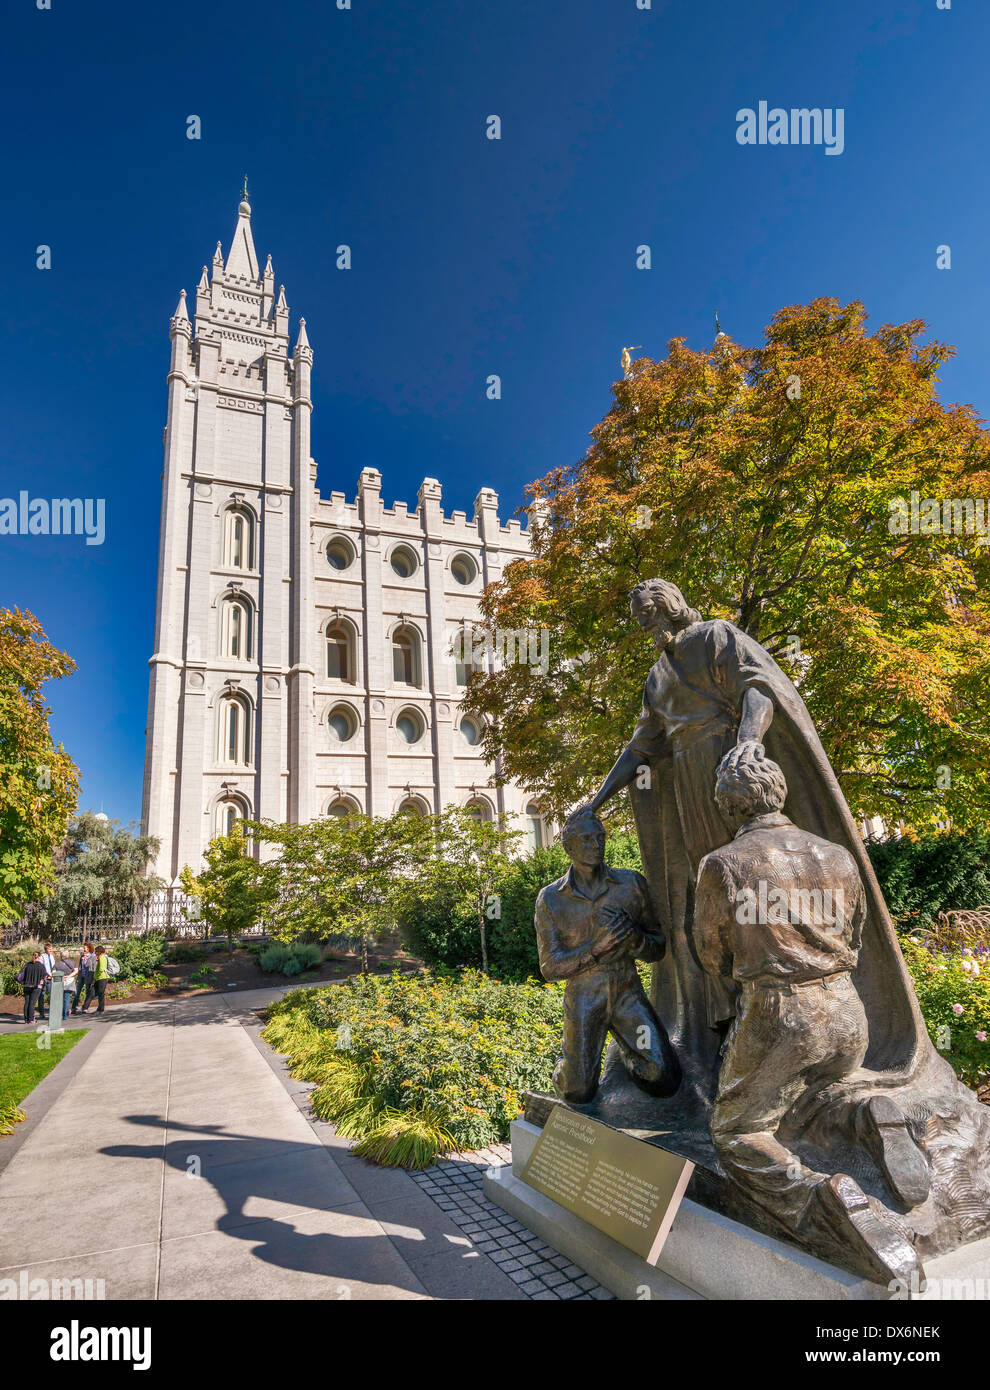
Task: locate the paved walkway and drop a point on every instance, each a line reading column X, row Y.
column 208, row 1179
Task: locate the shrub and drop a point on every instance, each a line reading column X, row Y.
column 183, row 954
column 203, row 978
column 441, row 929
column 156, row 980
column 140, row 955
column 282, row 959
column 923, row 875
column 415, row 1066
column 946, row 980
column 513, row 937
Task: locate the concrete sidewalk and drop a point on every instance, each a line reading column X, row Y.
column 205, row 1179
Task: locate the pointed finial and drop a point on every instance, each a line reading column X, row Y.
column 244, row 206
column 180, row 308
column 302, row 341
column 718, row 327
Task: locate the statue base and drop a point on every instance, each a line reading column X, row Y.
column 711, row 1256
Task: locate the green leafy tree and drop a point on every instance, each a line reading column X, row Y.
column 99, row 862
column 39, row 782
column 772, row 484
column 234, row 890
column 342, row 875
column 460, row 857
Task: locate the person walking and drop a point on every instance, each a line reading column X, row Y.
column 84, row 985
column 32, row 978
column 47, row 959
column 101, row 978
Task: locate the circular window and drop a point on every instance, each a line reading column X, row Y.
column 403, row 562
column 463, row 568
column 409, row 726
column 339, row 554
column 470, row 732
column 342, row 724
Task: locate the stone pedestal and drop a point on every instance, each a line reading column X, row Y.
column 711, row 1256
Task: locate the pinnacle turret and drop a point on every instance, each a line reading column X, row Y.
column 242, row 261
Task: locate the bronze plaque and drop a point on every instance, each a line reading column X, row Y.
column 627, row 1188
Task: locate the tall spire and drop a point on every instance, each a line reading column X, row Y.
column 242, row 259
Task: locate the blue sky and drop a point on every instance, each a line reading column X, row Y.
column 470, row 256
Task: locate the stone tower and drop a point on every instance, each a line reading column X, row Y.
column 302, row 661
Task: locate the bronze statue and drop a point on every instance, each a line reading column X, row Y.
column 813, row 1101
column 780, row 913
column 592, row 926
column 714, row 690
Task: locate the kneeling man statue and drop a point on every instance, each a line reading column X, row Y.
column 592, row 926
column 778, row 919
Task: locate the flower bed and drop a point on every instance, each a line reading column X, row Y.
column 415, row 1066
column 953, row 987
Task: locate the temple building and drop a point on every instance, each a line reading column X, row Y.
column 306, row 647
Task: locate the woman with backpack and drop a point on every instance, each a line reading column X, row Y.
column 101, row 977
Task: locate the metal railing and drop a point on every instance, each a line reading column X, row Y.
column 170, row 911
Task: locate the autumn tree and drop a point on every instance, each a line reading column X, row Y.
column 773, row 485
column 39, row 782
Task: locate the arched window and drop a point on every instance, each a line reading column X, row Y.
column 480, row 809
column 234, row 728
column 342, row 807
column 237, row 629
column 535, row 829
column 413, row 806
column 340, row 653
column 227, row 813
column 405, row 657
column 238, row 538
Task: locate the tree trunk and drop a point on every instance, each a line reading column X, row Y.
column 364, row 954
column 484, row 942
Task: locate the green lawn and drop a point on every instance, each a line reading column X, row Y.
column 23, row 1064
